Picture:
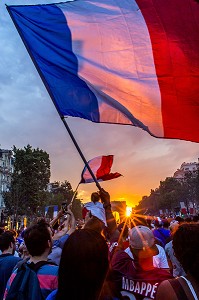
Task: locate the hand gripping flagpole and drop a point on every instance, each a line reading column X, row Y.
column 80, row 153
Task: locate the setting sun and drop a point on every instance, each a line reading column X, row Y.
column 128, row 211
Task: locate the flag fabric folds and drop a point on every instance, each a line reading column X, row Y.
column 125, row 62
column 101, row 167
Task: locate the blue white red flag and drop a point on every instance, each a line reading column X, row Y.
column 101, row 168
column 130, row 62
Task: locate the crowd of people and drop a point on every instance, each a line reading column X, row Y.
column 101, row 260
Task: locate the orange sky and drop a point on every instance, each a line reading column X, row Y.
column 141, row 159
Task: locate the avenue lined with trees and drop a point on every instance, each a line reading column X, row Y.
column 170, row 193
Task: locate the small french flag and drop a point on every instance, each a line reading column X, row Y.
column 101, row 167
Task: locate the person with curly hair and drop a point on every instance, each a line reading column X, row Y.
column 185, row 245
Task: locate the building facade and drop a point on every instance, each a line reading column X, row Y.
column 186, row 168
column 6, row 170
column 187, row 206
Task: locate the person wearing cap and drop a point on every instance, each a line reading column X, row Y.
column 159, row 260
column 135, row 278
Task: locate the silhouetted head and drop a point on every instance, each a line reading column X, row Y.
column 95, row 197
column 186, row 245
column 83, row 266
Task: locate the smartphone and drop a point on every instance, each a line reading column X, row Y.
column 64, row 206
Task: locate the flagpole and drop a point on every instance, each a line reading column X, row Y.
column 75, row 193
column 80, row 153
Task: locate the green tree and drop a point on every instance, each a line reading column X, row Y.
column 166, row 196
column 29, row 180
column 190, row 188
column 170, row 191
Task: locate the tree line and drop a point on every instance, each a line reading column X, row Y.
column 28, row 194
column 170, row 193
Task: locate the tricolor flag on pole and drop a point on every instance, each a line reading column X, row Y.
column 101, row 167
column 125, row 62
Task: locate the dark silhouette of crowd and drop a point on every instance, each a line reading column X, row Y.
column 140, row 258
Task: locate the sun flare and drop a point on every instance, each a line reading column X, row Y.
column 128, row 211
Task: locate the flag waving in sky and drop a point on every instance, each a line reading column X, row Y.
column 125, row 62
column 101, row 167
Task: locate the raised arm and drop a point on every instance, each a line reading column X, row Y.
column 59, row 215
column 72, row 221
column 111, row 222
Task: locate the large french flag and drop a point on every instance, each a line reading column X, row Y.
column 119, row 61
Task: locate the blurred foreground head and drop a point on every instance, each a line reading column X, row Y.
column 186, row 245
column 83, row 266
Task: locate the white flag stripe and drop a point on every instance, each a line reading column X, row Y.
column 131, row 79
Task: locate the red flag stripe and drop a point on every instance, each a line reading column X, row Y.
column 105, row 167
column 174, row 31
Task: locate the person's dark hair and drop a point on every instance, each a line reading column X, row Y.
column 95, row 197
column 83, row 266
column 1, row 230
column 6, row 238
column 179, row 219
column 36, row 238
column 195, row 218
column 186, row 245
column 165, row 223
column 95, row 224
column 158, row 223
column 188, row 220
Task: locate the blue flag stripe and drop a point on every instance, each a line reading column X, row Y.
column 58, row 65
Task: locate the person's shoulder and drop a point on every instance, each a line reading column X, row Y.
column 11, row 259
column 165, row 291
column 15, row 258
column 120, row 260
column 48, row 269
column 166, row 231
